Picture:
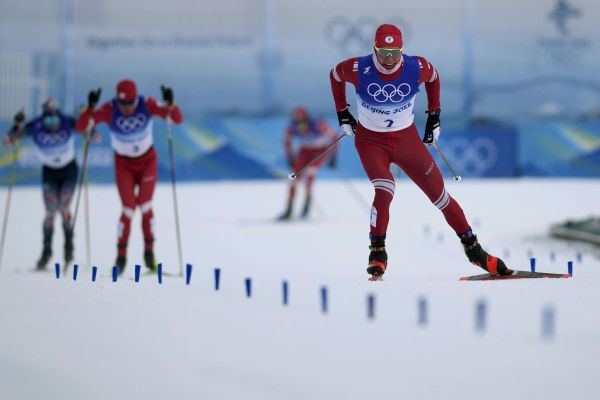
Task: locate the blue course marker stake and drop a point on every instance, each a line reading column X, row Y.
column 248, row 283
column 94, row 273
column 532, row 263
column 426, row 230
column 422, row 311
column 188, row 273
column 480, row 316
column 159, row 273
column 548, row 322
column 570, row 267
column 506, row 253
column 217, row 278
column 285, row 292
column 75, row 268
column 552, row 256
column 371, row 307
column 324, row 307
column 138, row 269
column 115, row 273
column 57, row 270
column 579, row 257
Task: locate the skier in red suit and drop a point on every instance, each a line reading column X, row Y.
column 386, row 83
column 313, row 136
column 129, row 117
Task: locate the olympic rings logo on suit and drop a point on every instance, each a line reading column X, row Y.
column 388, row 92
column 131, row 124
column 53, row 138
column 472, row 156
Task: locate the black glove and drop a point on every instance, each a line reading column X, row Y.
column 167, row 94
column 432, row 127
column 94, row 97
column 19, row 117
column 345, row 118
column 332, row 162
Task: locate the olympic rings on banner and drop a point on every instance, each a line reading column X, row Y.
column 472, row 156
column 351, row 36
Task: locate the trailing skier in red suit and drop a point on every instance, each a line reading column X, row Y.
column 129, row 117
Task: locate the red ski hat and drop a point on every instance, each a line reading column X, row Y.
column 126, row 90
column 388, row 36
column 299, row 114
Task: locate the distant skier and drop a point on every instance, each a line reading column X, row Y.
column 129, row 117
column 313, row 136
column 386, row 83
column 52, row 135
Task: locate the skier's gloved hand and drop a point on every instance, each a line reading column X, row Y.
column 332, row 164
column 19, row 117
column 167, row 94
column 347, row 121
column 432, row 127
column 94, row 97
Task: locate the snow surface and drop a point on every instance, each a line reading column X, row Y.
column 61, row 339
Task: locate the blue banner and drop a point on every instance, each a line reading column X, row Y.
column 235, row 148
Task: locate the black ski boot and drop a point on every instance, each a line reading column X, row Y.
column 149, row 260
column 69, row 250
column 287, row 214
column 306, row 208
column 44, row 258
column 377, row 257
column 120, row 264
column 479, row 257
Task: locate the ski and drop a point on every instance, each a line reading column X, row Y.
column 514, row 275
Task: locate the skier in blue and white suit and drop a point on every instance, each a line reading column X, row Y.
column 52, row 134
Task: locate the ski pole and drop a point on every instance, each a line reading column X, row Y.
column 175, row 208
column 86, row 145
column 11, row 182
column 360, row 200
column 86, row 200
column 294, row 174
column 456, row 177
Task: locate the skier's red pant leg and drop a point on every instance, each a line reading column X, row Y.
column 129, row 173
column 146, row 181
column 308, row 175
column 125, row 179
column 373, row 150
column 411, row 154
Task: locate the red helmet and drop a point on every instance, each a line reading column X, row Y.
column 126, row 91
column 299, row 114
column 388, row 36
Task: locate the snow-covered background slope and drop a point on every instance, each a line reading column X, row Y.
column 62, row 339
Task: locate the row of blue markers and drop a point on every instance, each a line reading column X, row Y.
column 481, row 308
column 159, row 275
